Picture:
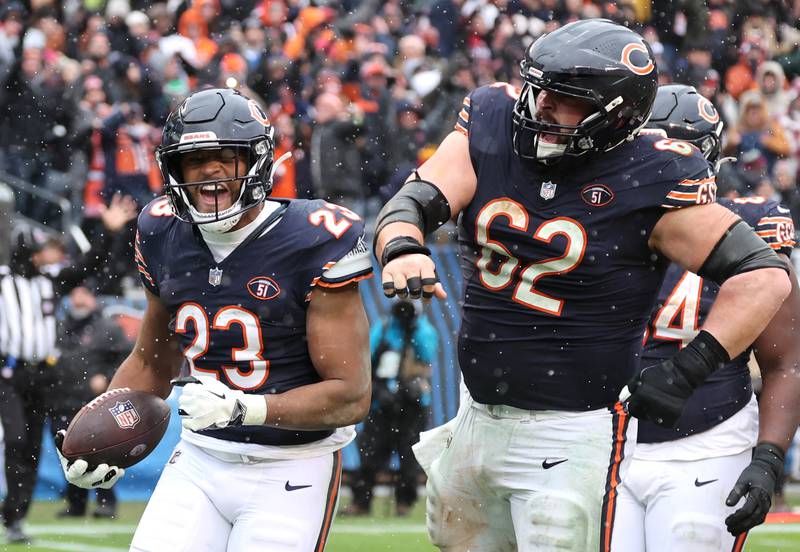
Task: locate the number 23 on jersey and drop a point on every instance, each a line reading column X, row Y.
column 226, row 319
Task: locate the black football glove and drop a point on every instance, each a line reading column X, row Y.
column 758, row 483
column 659, row 392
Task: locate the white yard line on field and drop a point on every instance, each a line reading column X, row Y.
column 780, row 528
column 70, row 546
column 377, row 528
column 344, row 527
column 84, row 529
column 97, row 530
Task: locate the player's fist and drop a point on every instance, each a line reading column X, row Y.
column 411, row 275
column 207, row 403
column 102, row 477
column 659, row 393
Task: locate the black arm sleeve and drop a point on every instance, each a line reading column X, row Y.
column 739, row 250
column 418, row 202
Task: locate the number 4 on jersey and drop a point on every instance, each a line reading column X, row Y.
column 677, row 320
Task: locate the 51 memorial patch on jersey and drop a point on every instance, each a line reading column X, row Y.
column 243, row 319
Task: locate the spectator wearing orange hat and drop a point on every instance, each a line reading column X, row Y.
column 193, row 25
column 741, row 76
column 306, row 22
column 232, row 66
column 233, row 74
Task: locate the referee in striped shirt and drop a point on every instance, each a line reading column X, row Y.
column 31, row 287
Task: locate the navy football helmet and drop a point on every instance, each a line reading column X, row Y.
column 684, row 114
column 596, row 60
column 214, row 119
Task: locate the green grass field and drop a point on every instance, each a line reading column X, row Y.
column 378, row 533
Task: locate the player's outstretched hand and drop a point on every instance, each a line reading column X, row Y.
column 658, row 393
column 102, row 477
column 757, row 482
column 412, row 275
column 207, row 403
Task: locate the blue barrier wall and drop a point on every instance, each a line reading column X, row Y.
column 140, row 480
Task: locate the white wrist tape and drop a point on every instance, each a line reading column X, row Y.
column 256, row 409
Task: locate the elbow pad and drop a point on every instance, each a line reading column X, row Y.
column 739, row 250
column 419, row 203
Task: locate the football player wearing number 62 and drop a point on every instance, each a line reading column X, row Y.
column 719, row 465
column 567, row 219
column 260, row 298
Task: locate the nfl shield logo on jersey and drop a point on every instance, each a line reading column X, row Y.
column 215, row 276
column 548, row 190
column 125, row 414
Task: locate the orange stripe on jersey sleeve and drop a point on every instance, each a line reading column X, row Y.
column 697, row 182
column 776, row 220
column 462, row 121
column 691, row 196
column 322, row 283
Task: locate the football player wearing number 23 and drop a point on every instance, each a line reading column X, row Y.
column 260, row 298
column 568, row 219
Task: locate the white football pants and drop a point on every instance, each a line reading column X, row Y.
column 677, row 506
column 204, row 504
column 511, row 479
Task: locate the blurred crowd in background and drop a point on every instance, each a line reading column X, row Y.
column 359, row 91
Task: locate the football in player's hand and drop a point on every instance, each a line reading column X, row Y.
column 118, row 428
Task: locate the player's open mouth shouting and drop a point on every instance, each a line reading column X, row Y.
column 219, row 168
column 561, row 111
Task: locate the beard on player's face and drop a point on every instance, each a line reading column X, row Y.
column 559, row 109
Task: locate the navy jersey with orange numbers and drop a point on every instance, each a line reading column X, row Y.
column 684, row 301
column 243, row 319
column 559, row 279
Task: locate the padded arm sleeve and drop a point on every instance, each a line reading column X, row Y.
column 418, row 202
column 739, row 250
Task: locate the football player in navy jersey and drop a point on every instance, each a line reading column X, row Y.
column 684, row 483
column 259, row 297
column 567, row 218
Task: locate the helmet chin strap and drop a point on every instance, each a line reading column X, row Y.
column 218, row 226
column 546, row 150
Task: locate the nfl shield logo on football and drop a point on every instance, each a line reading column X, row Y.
column 215, row 276
column 548, row 190
column 125, row 414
